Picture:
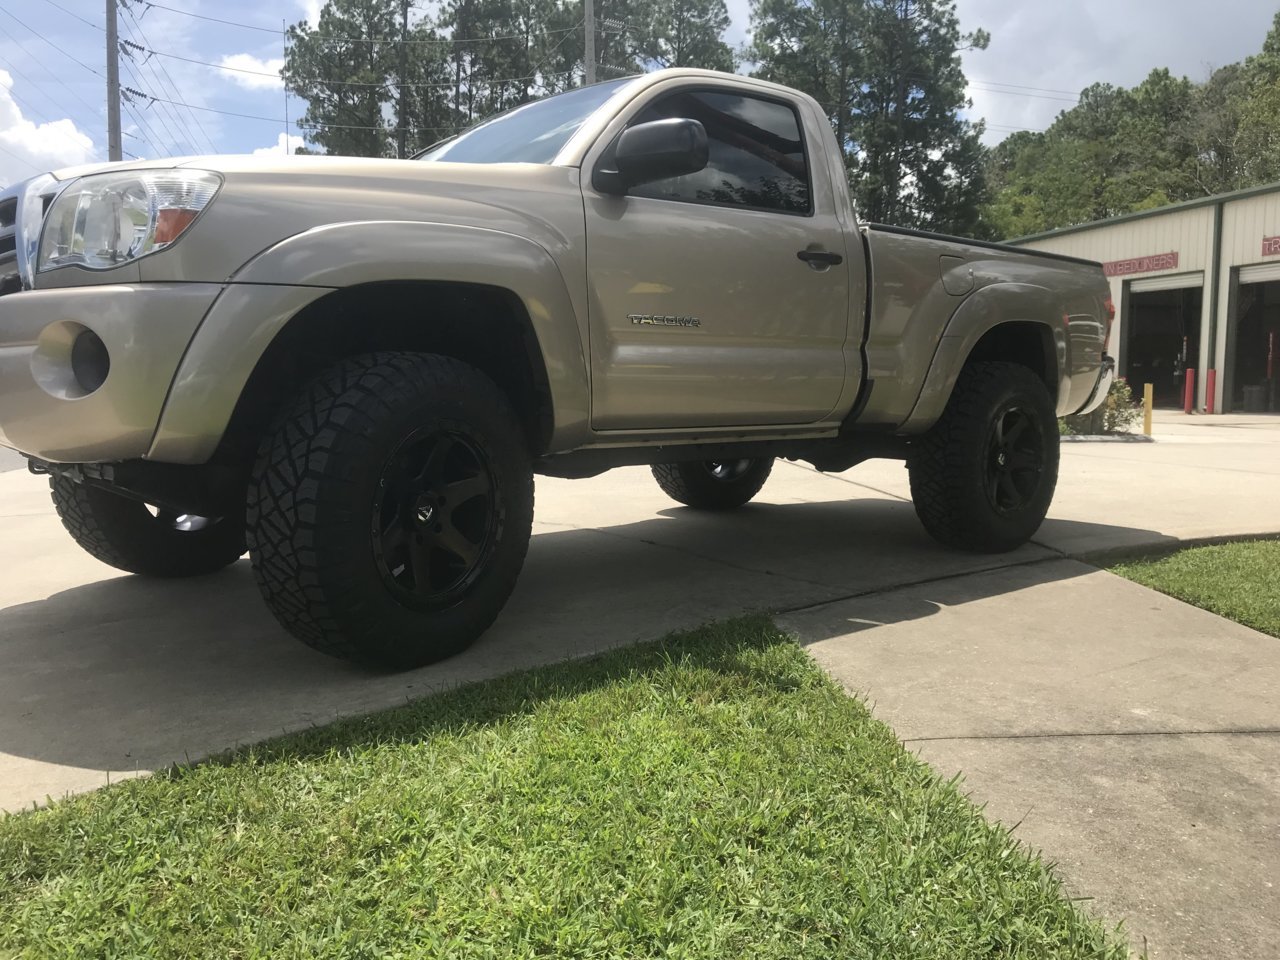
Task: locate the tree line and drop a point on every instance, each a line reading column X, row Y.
column 1121, row 150
column 887, row 72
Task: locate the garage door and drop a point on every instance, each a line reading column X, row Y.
column 1260, row 273
column 1176, row 281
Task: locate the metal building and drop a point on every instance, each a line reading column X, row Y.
column 1196, row 286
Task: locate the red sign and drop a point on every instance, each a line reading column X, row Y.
column 1159, row 261
column 1270, row 246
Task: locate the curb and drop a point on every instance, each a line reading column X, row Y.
column 1106, row 438
column 1156, row 550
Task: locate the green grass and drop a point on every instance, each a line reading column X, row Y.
column 1240, row 581
column 713, row 796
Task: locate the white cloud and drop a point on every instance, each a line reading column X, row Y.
column 311, row 10
column 28, row 148
column 285, row 144
column 254, row 79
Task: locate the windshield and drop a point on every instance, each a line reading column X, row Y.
column 532, row 133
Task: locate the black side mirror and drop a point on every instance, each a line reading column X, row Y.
column 653, row 151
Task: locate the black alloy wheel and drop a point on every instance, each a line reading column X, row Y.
column 435, row 518
column 1015, row 460
column 727, row 470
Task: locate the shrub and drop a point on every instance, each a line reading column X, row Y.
column 1117, row 413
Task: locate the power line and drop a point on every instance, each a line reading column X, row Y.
column 1017, row 93
column 50, row 43
column 37, row 114
column 200, row 16
column 1016, row 86
column 41, row 118
column 35, row 86
column 275, row 120
column 27, row 163
column 336, row 83
column 157, row 144
column 97, row 26
column 132, row 23
column 249, row 26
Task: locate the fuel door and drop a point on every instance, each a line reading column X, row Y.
column 957, row 276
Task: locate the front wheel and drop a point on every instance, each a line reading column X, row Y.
column 390, row 509
column 983, row 477
column 713, row 484
column 132, row 536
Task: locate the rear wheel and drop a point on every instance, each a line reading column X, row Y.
column 390, row 509
column 983, row 477
column 132, row 536
column 713, row 484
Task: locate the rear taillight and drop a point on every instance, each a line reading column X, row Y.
column 1110, row 307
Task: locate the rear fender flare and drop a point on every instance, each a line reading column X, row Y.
column 979, row 314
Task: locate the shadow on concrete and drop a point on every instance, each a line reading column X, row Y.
column 126, row 674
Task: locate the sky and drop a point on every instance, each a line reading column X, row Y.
column 52, row 75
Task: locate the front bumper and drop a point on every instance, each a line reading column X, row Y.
column 1106, row 377
column 45, row 410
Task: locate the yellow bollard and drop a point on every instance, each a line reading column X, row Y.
column 1146, row 409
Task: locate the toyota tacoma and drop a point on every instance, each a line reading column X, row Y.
column 353, row 368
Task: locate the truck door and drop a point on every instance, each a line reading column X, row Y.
column 720, row 298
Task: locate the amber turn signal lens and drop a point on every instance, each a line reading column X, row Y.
column 170, row 224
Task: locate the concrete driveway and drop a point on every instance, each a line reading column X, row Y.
column 104, row 676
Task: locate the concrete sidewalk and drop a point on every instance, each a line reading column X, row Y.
column 104, row 675
column 1133, row 739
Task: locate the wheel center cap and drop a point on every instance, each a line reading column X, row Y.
column 1001, row 459
column 425, row 512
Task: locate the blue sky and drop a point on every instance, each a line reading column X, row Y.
column 52, row 89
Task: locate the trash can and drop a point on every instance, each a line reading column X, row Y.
column 1255, row 398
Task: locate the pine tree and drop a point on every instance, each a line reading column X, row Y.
column 688, row 33
column 888, row 74
column 915, row 155
column 814, row 46
column 342, row 67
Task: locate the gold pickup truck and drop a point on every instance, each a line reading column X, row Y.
column 354, row 368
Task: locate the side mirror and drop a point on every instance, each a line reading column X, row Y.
column 653, row 151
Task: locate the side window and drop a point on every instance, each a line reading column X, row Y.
column 757, row 156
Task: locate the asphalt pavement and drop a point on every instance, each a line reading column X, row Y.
column 1029, row 672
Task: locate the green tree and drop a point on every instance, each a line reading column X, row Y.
column 687, row 33
column 888, row 74
column 814, row 46
column 342, row 67
column 1164, row 141
column 1258, row 138
column 1212, row 130
column 913, row 148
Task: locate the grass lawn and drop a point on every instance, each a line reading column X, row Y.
column 714, row 795
column 1240, row 581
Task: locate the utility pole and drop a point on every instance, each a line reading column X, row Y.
column 589, row 25
column 114, row 147
column 402, row 119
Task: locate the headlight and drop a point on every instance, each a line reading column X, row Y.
column 105, row 220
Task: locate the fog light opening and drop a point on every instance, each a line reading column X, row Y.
column 90, row 362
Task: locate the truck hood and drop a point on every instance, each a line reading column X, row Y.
column 293, row 165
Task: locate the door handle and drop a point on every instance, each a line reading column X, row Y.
column 816, row 258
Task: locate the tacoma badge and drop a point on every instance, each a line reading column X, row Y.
column 659, row 320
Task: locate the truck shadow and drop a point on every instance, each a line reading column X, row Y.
column 129, row 674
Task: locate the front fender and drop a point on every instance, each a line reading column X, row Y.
column 979, row 314
column 269, row 290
